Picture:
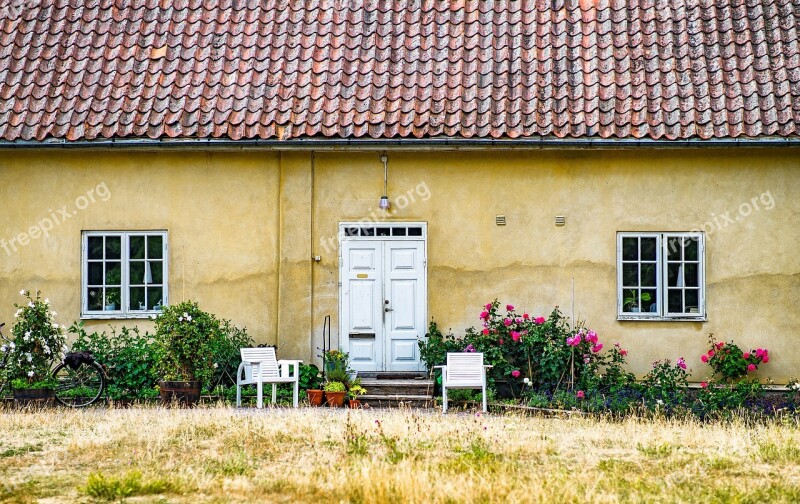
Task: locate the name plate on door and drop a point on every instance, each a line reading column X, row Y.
column 362, row 275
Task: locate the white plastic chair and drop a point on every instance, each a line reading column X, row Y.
column 464, row 370
column 259, row 366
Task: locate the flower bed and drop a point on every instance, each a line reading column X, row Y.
column 545, row 362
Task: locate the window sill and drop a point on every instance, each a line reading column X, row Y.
column 117, row 316
column 639, row 318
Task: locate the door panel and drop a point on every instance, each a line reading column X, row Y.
column 362, row 293
column 405, row 288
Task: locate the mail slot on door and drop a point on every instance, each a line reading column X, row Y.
column 366, row 335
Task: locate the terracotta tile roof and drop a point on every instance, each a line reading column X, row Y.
column 240, row 69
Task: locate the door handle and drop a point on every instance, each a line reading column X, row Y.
column 386, row 308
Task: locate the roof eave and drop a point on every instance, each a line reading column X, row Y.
column 401, row 143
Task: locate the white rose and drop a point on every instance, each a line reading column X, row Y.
column 30, row 304
column 185, row 314
column 53, row 314
column 13, row 346
column 3, row 348
column 22, row 292
column 30, row 374
column 189, row 318
column 47, row 301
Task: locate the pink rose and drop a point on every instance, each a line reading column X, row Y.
column 518, row 320
column 515, row 335
column 515, row 373
column 488, row 306
column 597, row 348
column 509, row 307
column 704, row 358
column 746, row 355
column 623, row 352
column 711, row 353
column 720, row 345
column 526, row 316
column 681, row 363
column 765, row 359
column 703, row 384
column 539, row 320
column 486, row 332
column 591, row 337
column 484, row 314
column 500, row 341
column 507, row 322
column 580, row 394
column 751, row 368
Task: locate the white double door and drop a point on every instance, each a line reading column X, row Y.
column 383, row 303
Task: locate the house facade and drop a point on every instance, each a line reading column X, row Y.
column 637, row 169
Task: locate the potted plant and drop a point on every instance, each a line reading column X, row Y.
column 310, row 380
column 353, row 394
column 185, row 340
column 334, row 359
column 334, row 393
column 631, row 301
column 38, row 342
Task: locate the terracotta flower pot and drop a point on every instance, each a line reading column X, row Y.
column 335, row 399
column 354, row 404
column 315, row 397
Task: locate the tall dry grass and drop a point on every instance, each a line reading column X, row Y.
column 220, row 454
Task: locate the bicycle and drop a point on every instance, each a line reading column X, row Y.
column 81, row 379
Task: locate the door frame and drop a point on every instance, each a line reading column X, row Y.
column 353, row 231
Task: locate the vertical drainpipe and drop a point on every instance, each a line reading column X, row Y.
column 311, row 261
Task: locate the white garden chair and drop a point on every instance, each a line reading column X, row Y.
column 464, row 370
column 260, row 366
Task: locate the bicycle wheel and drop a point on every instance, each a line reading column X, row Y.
column 79, row 387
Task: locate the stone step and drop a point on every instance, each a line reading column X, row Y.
column 393, row 375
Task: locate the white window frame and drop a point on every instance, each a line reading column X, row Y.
column 663, row 313
column 123, row 312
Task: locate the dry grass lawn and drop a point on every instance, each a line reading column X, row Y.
column 219, row 454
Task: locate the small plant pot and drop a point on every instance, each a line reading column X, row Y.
column 182, row 393
column 335, row 399
column 315, row 397
column 354, row 404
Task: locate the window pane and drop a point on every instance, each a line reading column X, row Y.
column 137, row 247
column 675, row 300
column 95, row 247
column 674, row 249
column 692, row 300
column 630, row 302
column 630, row 275
column 414, row 231
column 95, row 273
column 112, row 299
column 649, row 301
column 399, row 231
column 156, row 271
column 383, row 231
column 155, row 247
column 155, row 296
column 136, row 273
column 113, row 273
column 649, row 249
column 137, row 298
column 648, row 274
column 630, row 249
column 94, row 297
column 690, row 275
column 113, row 247
column 691, row 249
column 674, row 272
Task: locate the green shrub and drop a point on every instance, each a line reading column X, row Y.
column 128, row 356
column 38, row 343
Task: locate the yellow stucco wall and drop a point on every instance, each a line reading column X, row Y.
column 219, row 209
column 243, row 227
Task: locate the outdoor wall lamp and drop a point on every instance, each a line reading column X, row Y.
column 384, row 202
